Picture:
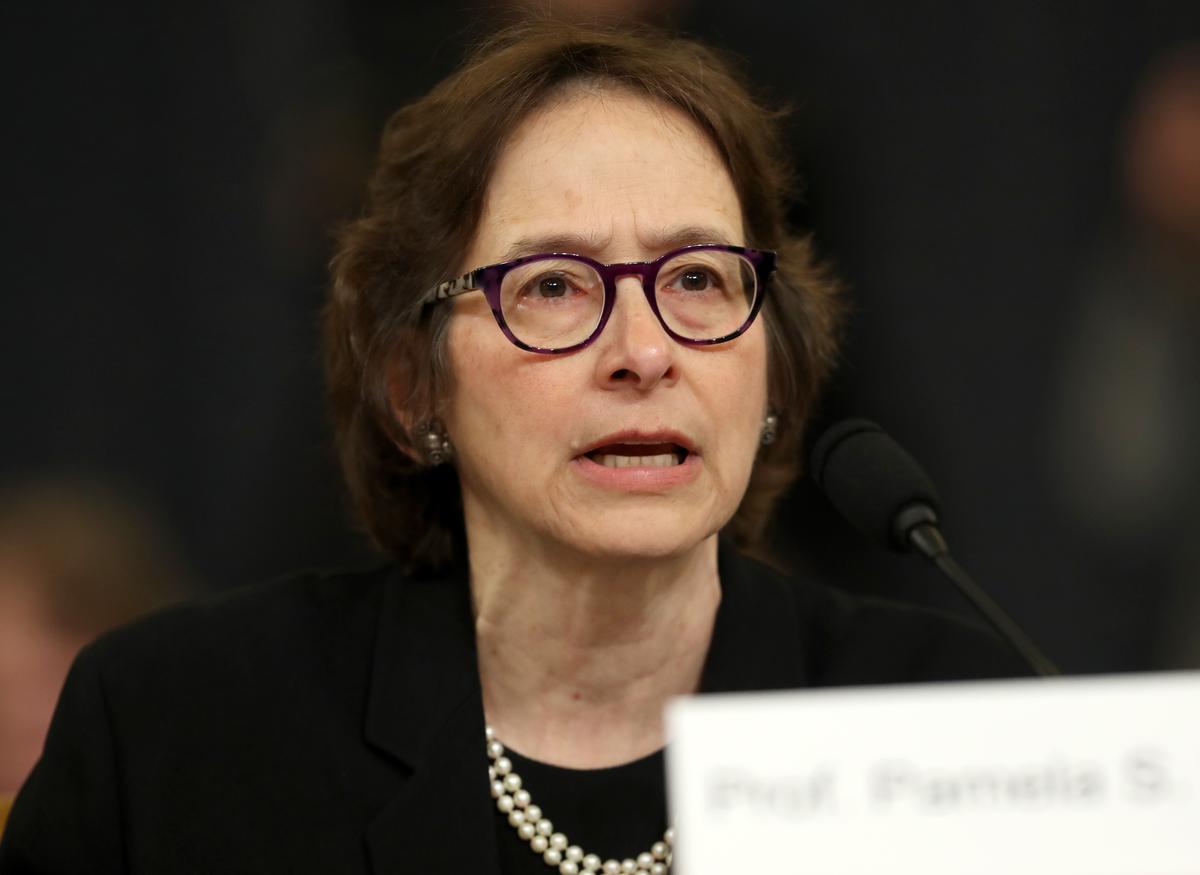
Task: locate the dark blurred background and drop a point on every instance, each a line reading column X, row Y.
column 1012, row 191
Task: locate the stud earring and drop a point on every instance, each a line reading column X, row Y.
column 769, row 430
column 438, row 448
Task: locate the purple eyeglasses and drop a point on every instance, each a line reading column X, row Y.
column 559, row 302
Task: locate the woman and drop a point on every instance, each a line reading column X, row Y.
column 570, row 345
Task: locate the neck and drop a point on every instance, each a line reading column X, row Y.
column 570, row 643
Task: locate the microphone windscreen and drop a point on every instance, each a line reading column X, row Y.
column 869, row 478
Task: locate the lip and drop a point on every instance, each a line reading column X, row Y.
column 634, row 436
column 641, row 478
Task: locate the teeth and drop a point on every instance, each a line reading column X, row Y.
column 666, row 460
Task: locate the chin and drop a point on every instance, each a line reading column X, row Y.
column 639, row 536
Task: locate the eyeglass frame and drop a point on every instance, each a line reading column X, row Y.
column 488, row 279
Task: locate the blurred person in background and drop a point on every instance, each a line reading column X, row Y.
column 1127, row 424
column 76, row 559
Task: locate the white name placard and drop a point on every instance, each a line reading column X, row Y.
column 1070, row 776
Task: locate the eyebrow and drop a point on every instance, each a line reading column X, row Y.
column 660, row 240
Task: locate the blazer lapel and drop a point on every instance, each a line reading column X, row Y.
column 759, row 638
column 425, row 710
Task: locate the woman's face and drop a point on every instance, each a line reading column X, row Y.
column 618, row 178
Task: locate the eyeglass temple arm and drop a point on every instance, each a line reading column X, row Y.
column 450, row 288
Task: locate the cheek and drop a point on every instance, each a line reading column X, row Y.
column 501, row 413
column 743, row 388
column 743, row 383
column 479, row 378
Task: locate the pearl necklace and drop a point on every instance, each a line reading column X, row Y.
column 514, row 801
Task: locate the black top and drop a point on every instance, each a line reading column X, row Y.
column 617, row 812
column 334, row 724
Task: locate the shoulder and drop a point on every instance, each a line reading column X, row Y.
column 846, row 639
column 260, row 625
column 258, row 667
column 212, row 706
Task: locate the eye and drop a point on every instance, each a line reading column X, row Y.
column 557, row 285
column 549, row 286
column 695, row 279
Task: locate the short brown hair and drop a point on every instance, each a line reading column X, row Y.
column 423, row 207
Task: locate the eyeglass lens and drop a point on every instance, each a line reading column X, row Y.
column 557, row 302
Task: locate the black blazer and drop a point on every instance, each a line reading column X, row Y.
column 333, row 723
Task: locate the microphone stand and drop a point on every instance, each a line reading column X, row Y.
column 917, row 526
column 882, row 491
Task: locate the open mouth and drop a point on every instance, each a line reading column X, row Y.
column 663, row 455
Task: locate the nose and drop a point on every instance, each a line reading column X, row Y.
column 634, row 349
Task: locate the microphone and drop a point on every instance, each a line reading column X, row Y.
column 884, row 493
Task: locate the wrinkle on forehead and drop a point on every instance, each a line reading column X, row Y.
column 556, row 124
column 533, row 195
